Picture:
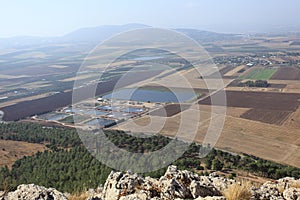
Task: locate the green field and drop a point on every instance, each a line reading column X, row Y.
column 260, row 74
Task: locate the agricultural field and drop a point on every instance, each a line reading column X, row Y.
column 268, row 141
column 259, row 100
column 259, row 121
column 63, row 99
column 259, row 74
column 267, row 107
column 255, row 121
column 293, row 120
column 222, row 71
column 256, row 118
column 291, row 86
column 272, row 142
column 287, row 73
column 236, row 71
column 277, row 117
column 170, row 110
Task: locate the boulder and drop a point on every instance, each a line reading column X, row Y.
column 121, row 184
column 221, row 183
column 31, row 191
column 173, row 188
column 282, row 189
column 198, row 189
column 292, row 194
column 175, row 184
column 266, row 191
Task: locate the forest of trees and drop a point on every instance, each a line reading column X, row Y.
column 66, row 170
column 35, row 133
column 75, row 169
column 249, row 163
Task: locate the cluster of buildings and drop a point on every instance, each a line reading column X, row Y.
column 100, row 113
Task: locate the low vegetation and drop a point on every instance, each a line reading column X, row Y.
column 260, row 74
column 78, row 196
column 238, row 191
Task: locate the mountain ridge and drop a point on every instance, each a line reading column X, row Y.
column 99, row 33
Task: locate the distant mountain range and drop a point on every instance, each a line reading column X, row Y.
column 100, row 33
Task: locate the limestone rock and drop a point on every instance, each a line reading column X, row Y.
column 292, row 194
column 221, row 183
column 175, row 184
column 121, row 184
column 266, row 191
column 199, row 189
column 282, row 189
column 31, row 191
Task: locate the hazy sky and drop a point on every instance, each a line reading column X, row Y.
column 58, row 17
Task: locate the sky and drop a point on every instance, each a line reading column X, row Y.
column 59, row 17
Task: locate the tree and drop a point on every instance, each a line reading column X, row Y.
column 217, row 165
column 208, row 163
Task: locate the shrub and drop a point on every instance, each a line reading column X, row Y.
column 238, row 191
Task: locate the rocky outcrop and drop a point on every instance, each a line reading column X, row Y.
column 175, row 184
column 292, row 194
column 282, row 189
column 29, row 192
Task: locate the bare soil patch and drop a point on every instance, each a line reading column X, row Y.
column 230, row 111
column 258, row 100
column 221, row 72
column 170, row 110
column 267, row 116
column 287, row 73
column 293, row 120
column 11, row 151
column 235, row 71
